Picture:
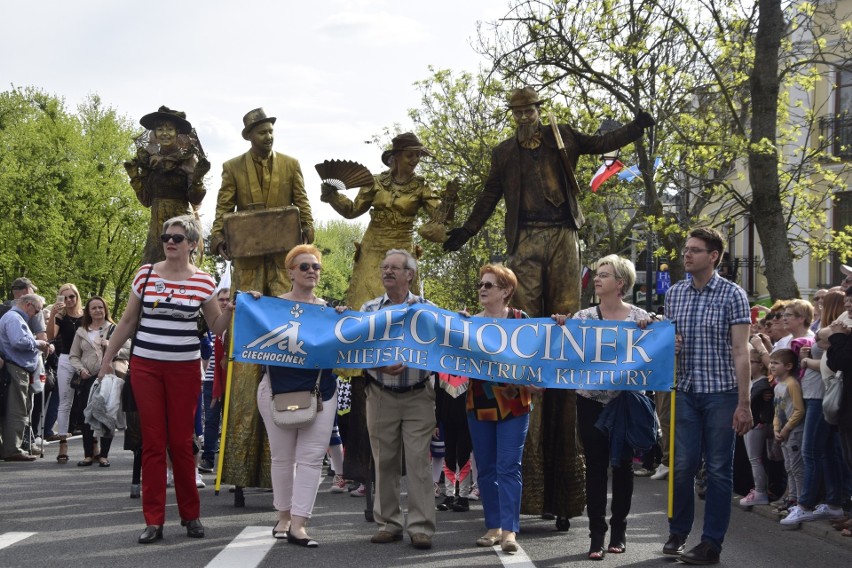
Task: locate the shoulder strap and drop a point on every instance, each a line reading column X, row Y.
column 598, row 310
column 141, row 308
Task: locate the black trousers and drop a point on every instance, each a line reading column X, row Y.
column 596, row 451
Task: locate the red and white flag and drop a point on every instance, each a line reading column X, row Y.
column 604, row 173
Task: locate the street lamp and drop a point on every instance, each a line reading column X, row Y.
column 609, row 158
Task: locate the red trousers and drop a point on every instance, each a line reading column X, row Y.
column 166, row 394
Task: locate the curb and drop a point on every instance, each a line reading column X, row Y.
column 819, row 529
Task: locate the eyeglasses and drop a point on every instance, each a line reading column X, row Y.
column 693, row 250
column 386, row 267
column 176, row 239
column 487, row 285
column 603, row 275
column 70, row 296
column 305, row 266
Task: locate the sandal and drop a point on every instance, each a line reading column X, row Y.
column 85, row 462
column 846, row 532
column 63, row 455
column 596, row 553
column 103, row 462
column 842, row 524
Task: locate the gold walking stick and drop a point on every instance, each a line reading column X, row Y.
column 227, row 404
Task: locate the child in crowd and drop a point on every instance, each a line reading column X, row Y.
column 763, row 413
column 789, row 419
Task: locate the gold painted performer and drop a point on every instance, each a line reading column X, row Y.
column 394, row 200
column 167, row 173
column 536, row 179
column 258, row 179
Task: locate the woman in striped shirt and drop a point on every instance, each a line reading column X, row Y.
column 166, row 299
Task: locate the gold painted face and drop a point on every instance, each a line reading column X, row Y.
column 166, row 133
column 526, row 114
column 261, row 138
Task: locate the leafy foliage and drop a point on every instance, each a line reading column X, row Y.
column 69, row 213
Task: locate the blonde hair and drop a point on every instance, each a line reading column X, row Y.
column 72, row 287
column 622, row 269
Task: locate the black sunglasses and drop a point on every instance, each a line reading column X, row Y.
column 176, row 239
column 305, row 266
column 488, row 285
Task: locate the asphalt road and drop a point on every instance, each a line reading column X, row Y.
column 68, row 516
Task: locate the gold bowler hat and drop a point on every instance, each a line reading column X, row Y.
column 405, row 141
column 253, row 118
column 164, row 113
column 524, row 97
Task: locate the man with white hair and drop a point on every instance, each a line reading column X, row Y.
column 20, row 352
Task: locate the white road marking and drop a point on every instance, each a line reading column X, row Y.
column 247, row 550
column 10, row 538
column 516, row 560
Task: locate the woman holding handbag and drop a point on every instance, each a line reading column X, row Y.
column 86, row 357
column 297, row 451
column 166, row 299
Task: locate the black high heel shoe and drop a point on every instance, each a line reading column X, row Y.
column 596, row 549
column 617, row 542
column 284, row 535
column 150, row 534
column 194, row 528
column 307, row 542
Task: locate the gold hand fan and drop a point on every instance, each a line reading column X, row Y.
column 344, row 174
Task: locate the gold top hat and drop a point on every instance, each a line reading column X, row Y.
column 253, row 118
column 164, row 113
column 405, row 141
column 523, row 97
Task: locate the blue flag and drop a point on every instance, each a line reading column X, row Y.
column 587, row 354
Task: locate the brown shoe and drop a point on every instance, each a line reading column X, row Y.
column 384, row 537
column 421, row 541
column 20, row 458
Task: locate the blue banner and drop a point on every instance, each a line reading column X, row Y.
column 587, row 354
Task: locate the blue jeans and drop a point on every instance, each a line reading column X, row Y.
column 821, row 462
column 212, row 420
column 498, row 447
column 703, row 427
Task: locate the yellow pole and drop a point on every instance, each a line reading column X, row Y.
column 670, row 510
column 230, row 340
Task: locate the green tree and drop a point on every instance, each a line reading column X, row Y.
column 336, row 240
column 706, row 70
column 69, row 213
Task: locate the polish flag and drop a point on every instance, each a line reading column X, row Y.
column 604, row 173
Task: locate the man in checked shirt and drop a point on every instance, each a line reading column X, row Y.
column 401, row 416
column 712, row 318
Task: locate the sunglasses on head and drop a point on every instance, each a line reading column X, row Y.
column 488, row 285
column 176, row 239
column 305, row 266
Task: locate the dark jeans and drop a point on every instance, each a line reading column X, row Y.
column 596, row 451
column 212, row 420
column 821, row 463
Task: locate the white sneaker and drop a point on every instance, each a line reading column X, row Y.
column 360, row 491
column 474, row 493
column 642, row 472
column 338, row 484
column 199, row 482
column 661, row 473
column 754, row 498
column 170, row 478
column 828, row 512
column 797, row 515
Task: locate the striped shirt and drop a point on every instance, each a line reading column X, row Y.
column 704, row 319
column 168, row 330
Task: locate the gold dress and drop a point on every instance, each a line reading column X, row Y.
column 393, row 209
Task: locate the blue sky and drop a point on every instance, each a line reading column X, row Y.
column 334, row 72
